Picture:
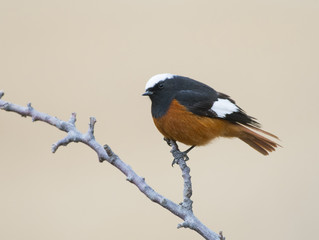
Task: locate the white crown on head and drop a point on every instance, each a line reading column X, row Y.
column 157, row 78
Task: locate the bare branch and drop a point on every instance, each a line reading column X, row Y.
column 179, row 159
column 183, row 210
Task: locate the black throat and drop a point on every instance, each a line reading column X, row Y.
column 160, row 105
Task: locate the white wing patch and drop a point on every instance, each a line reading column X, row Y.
column 157, row 78
column 223, row 106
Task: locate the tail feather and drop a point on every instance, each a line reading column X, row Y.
column 263, row 131
column 255, row 146
column 257, row 141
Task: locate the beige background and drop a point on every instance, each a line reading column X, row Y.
column 94, row 58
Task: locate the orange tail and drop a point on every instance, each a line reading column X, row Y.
column 256, row 141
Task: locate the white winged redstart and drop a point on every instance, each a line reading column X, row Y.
column 193, row 113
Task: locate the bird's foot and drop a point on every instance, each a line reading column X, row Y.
column 181, row 155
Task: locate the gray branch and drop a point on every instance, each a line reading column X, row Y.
column 183, row 210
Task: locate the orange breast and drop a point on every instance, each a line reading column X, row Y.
column 181, row 125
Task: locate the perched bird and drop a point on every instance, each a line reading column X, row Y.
column 193, row 113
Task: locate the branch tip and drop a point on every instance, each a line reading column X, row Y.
column 5, row 106
column 221, row 236
column 54, row 148
column 164, row 202
column 101, row 159
column 184, row 224
column 29, row 107
column 129, row 179
column 73, row 118
column 92, row 122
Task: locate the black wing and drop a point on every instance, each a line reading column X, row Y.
column 199, row 103
column 210, row 103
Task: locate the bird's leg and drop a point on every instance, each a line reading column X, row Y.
column 189, row 149
column 186, row 158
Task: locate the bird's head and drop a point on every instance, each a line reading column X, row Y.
column 157, row 84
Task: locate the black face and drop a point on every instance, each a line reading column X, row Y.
column 160, row 88
column 161, row 96
column 154, row 90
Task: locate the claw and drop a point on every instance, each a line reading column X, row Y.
column 177, row 153
column 183, row 155
column 174, row 162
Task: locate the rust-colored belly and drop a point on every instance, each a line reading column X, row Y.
column 181, row 125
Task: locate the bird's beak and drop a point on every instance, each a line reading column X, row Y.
column 147, row 93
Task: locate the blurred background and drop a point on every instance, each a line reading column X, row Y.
column 94, row 58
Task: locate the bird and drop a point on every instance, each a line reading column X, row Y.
column 193, row 113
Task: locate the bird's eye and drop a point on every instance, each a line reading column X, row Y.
column 161, row 85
